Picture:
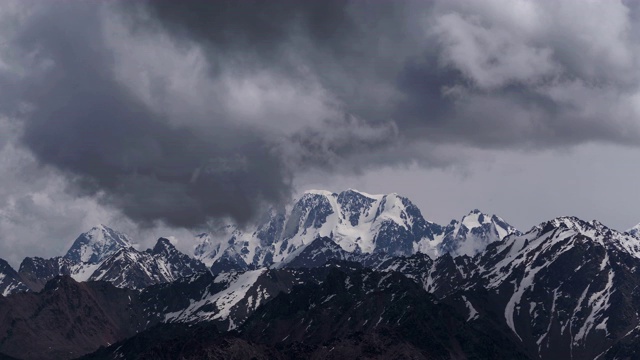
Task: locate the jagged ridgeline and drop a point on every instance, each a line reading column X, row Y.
column 343, row 275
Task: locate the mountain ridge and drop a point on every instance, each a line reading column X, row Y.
column 358, row 222
column 565, row 288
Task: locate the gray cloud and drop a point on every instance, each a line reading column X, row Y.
column 90, row 127
column 493, row 74
column 181, row 111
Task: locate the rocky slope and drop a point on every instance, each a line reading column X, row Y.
column 339, row 275
column 103, row 254
column 86, row 254
column 66, row 319
column 10, row 281
column 567, row 288
column 352, row 314
column 634, row 231
column 129, row 268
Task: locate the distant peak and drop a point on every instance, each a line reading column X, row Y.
column 475, row 213
column 475, row 218
column 318, row 192
column 96, row 244
column 634, row 230
column 569, row 222
column 96, row 228
column 350, row 191
column 100, row 227
column 163, row 245
column 165, row 241
column 362, row 193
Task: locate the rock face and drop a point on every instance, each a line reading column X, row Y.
column 349, row 314
column 566, row 288
column 10, row 281
column 66, row 319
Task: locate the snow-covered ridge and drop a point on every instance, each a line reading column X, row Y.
column 472, row 234
column 634, row 231
column 521, row 265
column 218, row 306
column 358, row 222
column 105, row 254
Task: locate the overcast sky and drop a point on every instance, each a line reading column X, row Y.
column 159, row 117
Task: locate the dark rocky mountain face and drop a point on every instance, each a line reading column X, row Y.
column 188, row 342
column 365, row 311
column 67, row 319
column 10, row 281
column 230, row 260
column 35, row 271
column 225, row 300
column 317, row 253
column 439, row 277
column 353, row 314
column 566, row 289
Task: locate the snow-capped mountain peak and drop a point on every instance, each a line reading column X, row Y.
column 634, row 231
column 318, row 192
column 355, row 220
column 96, row 244
column 473, row 233
column 474, row 219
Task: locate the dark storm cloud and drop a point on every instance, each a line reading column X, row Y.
column 258, row 26
column 109, row 143
column 290, row 86
column 442, row 71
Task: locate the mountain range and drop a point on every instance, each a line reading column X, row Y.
column 334, row 276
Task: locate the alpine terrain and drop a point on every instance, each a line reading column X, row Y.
column 334, row 275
